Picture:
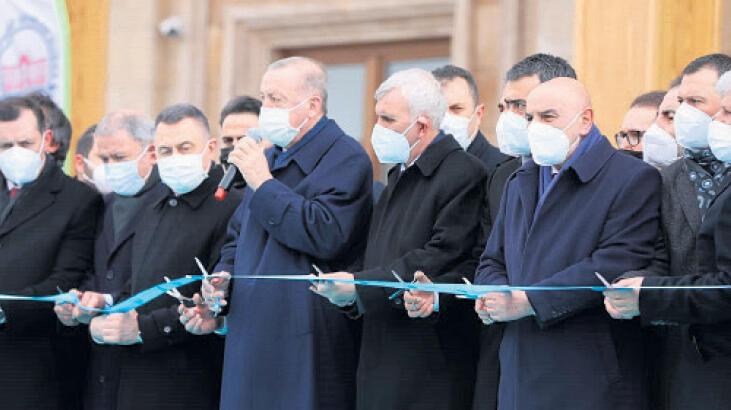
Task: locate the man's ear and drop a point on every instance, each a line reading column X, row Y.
column 316, row 106
column 480, row 111
column 424, row 123
column 49, row 146
column 79, row 166
column 153, row 151
column 587, row 121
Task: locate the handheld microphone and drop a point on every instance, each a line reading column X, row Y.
column 229, row 177
column 225, row 185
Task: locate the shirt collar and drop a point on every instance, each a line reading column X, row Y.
column 196, row 197
column 592, row 160
column 441, row 136
column 307, row 151
column 435, row 153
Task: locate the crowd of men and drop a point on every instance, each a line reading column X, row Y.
column 553, row 204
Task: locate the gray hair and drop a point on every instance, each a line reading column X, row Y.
column 139, row 127
column 723, row 85
column 421, row 90
column 315, row 76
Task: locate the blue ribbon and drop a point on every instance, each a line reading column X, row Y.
column 462, row 290
column 469, row 291
column 139, row 299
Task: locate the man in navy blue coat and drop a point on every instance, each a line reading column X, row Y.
column 308, row 200
column 587, row 209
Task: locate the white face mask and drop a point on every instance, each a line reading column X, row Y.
column 21, row 165
column 98, row 177
column 719, row 139
column 274, row 125
column 182, row 173
column 390, row 146
column 549, row 145
column 691, row 127
column 458, row 127
column 123, row 177
column 659, row 147
column 512, row 134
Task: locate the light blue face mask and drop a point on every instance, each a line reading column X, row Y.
column 390, row 146
column 274, row 125
column 123, row 177
column 719, row 139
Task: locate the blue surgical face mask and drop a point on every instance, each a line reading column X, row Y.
column 123, row 177
column 98, row 177
column 719, row 139
column 274, row 125
column 182, row 173
column 512, row 134
column 390, row 146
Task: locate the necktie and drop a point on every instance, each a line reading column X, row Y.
column 14, row 192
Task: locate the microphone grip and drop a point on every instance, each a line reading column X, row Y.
column 226, row 181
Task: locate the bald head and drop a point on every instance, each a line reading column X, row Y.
column 562, row 103
column 562, row 92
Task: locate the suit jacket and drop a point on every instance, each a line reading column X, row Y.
column 427, row 219
column 487, row 153
column 695, row 370
column 675, row 255
column 46, row 242
column 601, row 215
column 112, row 272
column 496, row 186
column 173, row 368
column 488, row 367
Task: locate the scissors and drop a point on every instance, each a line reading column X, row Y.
column 213, row 303
column 605, row 282
column 174, row 292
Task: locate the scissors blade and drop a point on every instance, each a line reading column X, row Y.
column 605, row 282
column 202, row 268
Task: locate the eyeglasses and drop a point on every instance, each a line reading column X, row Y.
column 633, row 137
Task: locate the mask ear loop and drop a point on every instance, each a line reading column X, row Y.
column 297, row 106
column 573, row 145
column 142, row 154
column 91, row 167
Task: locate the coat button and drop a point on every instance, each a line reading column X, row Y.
column 173, row 202
column 270, row 222
column 101, row 379
column 110, row 275
column 167, row 330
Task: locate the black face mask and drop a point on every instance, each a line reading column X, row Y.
column 636, row 154
column 225, row 152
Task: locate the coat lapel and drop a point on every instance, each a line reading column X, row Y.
column 26, row 209
column 39, row 196
column 115, row 243
column 688, row 201
column 526, row 179
column 721, row 189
